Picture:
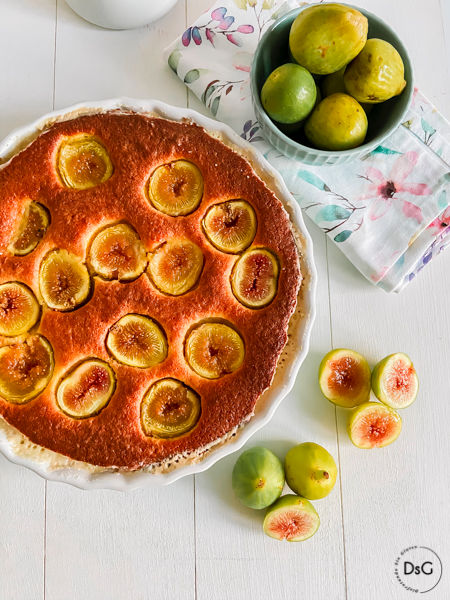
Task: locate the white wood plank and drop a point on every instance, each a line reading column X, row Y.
column 101, row 544
column 136, row 545
column 396, row 497
column 26, row 84
column 27, row 39
column 94, row 63
column 234, row 557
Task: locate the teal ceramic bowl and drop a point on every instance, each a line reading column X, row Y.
column 273, row 51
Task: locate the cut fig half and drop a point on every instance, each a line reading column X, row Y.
column 254, row 278
column 137, row 341
column 291, row 518
column 395, row 381
column 86, row 390
column 83, row 162
column 176, row 189
column 25, row 369
column 32, row 227
column 374, row 425
column 19, row 309
column 117, row 252
column 169, row 409
column 175, row 266
column 213, row 350
column 64, row 280
column 344, row 378
column 230, row 226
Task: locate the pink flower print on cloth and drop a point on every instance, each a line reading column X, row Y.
column 383, row 209
column 441, row 223
column 385, row 190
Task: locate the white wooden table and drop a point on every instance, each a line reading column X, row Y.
column 192, row 539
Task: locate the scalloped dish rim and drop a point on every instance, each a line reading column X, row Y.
column 296, row 348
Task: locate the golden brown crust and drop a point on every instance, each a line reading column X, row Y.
column 137, row 145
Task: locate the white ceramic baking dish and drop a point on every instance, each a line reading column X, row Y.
column 56, row 467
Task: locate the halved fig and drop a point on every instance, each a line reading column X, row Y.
column 169, row 409
column 291, row 518
column 230, row 226
column 175, row 266
column 395, row 381
column 374, row 425
column 176, row 189
column 19, row 309
column 83, row 162
column 344, row 377
column 31, row 230
column 254, row 278
column 117, row 253
column 86, row 390
column 25, row 369
column 213, row 350
column 137, row 341
column 63, row 280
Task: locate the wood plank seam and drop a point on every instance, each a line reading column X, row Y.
column 337, row 427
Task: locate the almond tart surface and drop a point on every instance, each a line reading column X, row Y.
column 147, row 281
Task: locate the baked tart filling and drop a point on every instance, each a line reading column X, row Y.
column 147, row 281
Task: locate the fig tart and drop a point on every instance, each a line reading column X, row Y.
column 148, row 277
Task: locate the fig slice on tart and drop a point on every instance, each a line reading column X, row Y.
column 176, row 189
column 83, row 162
column 137, row 341
column 19, row 309
column 25, row 369
column 230, row 226
column 169, row 409
column 32, row 227
column 175, row 266
column 213, row 350
column 86, row 389
column 116, row 252
column 254, row 278
column 64, row 280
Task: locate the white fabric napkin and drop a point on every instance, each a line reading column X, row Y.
column 389, row 211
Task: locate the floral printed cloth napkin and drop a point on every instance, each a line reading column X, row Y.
column 389, row 211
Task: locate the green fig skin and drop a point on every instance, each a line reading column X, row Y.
column 334, row 83
column 373, row 425
column 288, row 94
column 319, row 96
column 337, row 123
column 258, row 478
column 310, row 470
column 291, row 518
column 376, row 74
column 395, row 381
column 324, row 38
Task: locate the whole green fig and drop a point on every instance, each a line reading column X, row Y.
column 325, row 37
column 376, row 74
column 337, row 123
